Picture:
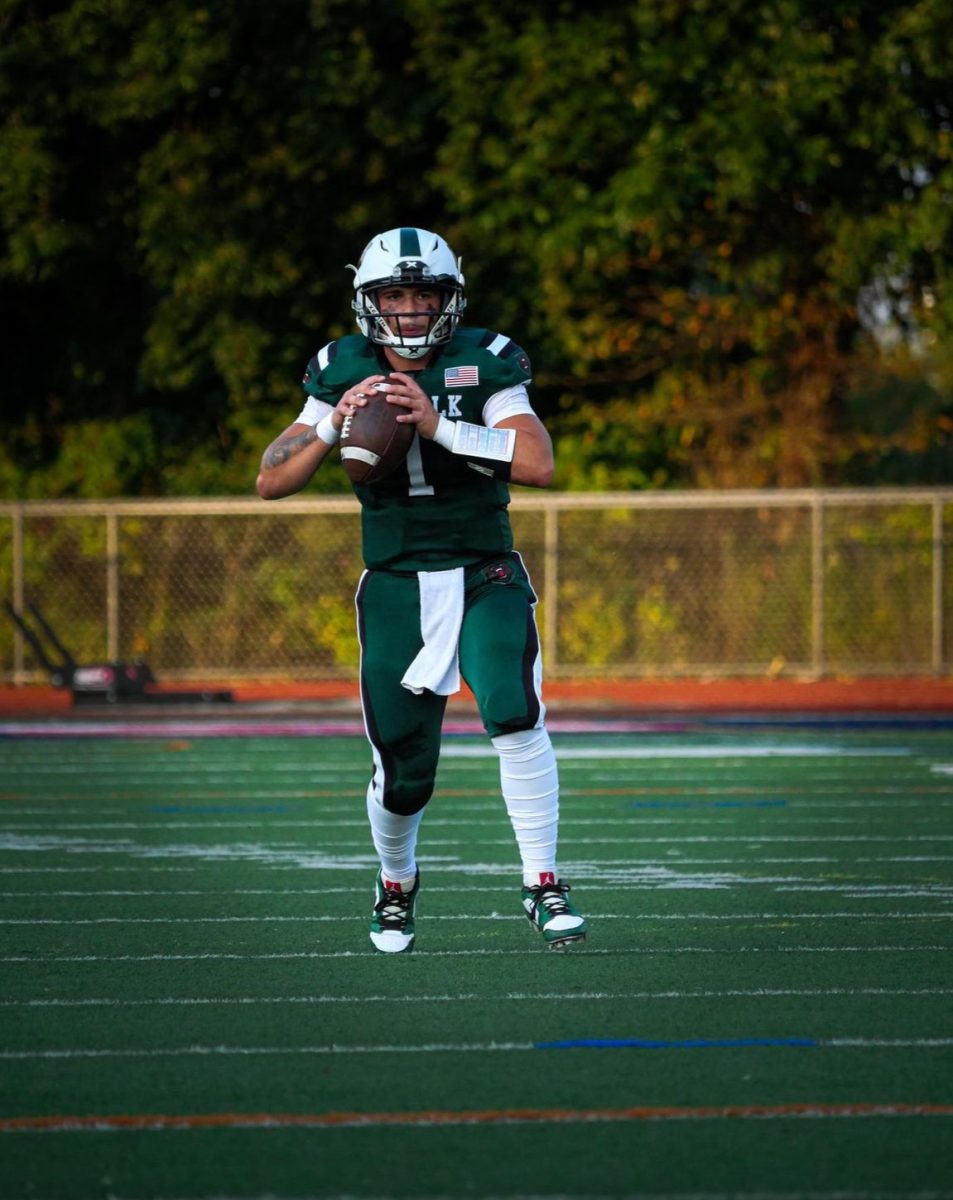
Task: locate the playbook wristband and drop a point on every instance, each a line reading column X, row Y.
column 489, row 451
column 326, row 431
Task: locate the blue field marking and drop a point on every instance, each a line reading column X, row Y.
column 663, row 1044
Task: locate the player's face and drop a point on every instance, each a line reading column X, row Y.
column 409, row 311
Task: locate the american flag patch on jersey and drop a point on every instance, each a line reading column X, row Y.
column 461, row 377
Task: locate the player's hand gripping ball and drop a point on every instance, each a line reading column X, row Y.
column 373, row 442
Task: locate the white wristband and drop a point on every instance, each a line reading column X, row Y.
column 444, row 433
column 326, row 431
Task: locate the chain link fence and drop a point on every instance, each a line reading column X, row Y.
column 803, row 583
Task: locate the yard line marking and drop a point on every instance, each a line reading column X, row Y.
column 325, row 891
column 817, row 795
column 491, row 819
column 906, row 858
column 678, row 1044
column 867, row 890
column 888, row 1043
column 351, row 853
column 656, row 878
column 335, row 1048
column 700, row 994
column 318, row 919
column 115, row 868
column 184, row 772
column 795, row 803
column 257, row 1051
column 156, row 1122
column 57, row 811
column 317, row 954
column 437, row 865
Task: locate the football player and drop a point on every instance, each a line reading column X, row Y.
column 443, row 593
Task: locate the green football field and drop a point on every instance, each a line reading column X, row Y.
column 191, row 1006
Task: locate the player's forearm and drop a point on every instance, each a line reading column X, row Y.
column 290, row 462
column 518, row 450
column 532, row 463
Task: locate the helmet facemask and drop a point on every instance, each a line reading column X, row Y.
column 408, row 258
column 386, row 329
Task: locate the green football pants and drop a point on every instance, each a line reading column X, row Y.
column 499, row 659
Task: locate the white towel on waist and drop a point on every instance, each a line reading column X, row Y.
column 437, row 667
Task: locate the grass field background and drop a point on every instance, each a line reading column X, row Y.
column 191, row 1006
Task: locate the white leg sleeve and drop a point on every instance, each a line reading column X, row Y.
column 529, row 779
column 395, row 838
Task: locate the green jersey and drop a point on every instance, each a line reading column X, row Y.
column 435, row 511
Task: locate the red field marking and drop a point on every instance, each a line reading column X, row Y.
column 145, row 1122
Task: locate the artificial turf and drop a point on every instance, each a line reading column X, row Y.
column 191, row 1006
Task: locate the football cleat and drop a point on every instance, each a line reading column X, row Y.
column 392, row 921
column 548, row 907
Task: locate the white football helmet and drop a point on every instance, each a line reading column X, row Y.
column 408, row 257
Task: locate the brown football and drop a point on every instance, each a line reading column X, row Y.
column 373, row 442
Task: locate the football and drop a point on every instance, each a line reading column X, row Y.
column 373, row 442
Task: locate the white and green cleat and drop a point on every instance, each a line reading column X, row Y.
column 550, row 910
column 392, row 921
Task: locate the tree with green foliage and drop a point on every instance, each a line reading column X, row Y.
column 723, row 230
column 704, row 196
column 182, row 187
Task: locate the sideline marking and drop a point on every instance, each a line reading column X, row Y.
column 502, row 1116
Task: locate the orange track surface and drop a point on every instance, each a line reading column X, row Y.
column 906, row 695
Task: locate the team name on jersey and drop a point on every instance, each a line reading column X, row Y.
column 448, row 405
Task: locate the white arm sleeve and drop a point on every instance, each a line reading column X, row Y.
column 313, row 411
column 511, row 402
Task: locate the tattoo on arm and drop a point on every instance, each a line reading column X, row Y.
column 284, row 448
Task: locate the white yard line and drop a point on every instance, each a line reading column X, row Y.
column 652, row 951
column 487, row 868
column 630, row 878
column 853, row 1043
column 612, row 753
column 857, row 915
column 479, row 997
column 637, row 821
